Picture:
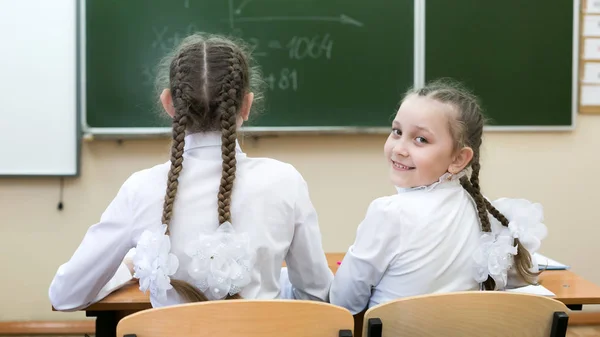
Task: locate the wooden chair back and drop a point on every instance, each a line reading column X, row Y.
column 248, row 318
column 464, row 314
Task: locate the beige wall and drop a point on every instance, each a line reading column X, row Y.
column 344, row 173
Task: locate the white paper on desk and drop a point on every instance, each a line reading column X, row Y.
column 593, row 6
column 591, row 72
column 531, row 289
column 590, row 95
column 591, row 49
column 591, row 25
column 546, row 263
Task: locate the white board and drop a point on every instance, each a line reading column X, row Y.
column 38, row 88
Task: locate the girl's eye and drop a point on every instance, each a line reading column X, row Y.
column 397, row 132
column 421, row 140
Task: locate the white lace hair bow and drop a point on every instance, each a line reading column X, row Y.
column 221, row 262
column 153, row 262
column 495, row 254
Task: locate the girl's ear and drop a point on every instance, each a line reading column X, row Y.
column 461, row 160
column 245, row 108
column 167, row 102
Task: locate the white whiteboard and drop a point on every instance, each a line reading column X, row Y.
column 39, row 131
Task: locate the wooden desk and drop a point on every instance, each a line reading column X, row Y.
column 571, row 289
column 131, row 298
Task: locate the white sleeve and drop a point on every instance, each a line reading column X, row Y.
column 121, row 278
column 366, row 260
column 309, row 274
column 79, row 282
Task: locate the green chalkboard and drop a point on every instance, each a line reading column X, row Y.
column 340, row 63
column 327, row 63
column 517, row 56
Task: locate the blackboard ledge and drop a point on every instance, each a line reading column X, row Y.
column 128, row 133
column 90, row 134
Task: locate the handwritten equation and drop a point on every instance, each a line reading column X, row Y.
column 297, row 48
column 286, row 79
column 294, row 48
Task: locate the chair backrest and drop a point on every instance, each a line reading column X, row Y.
column 473, row 313
column 247, row 318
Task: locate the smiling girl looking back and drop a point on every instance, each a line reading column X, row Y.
column 438, row 233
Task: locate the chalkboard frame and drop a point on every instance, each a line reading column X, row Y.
column 418, row 80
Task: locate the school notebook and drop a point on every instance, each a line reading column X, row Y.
column 546, row 263
column 532, row 289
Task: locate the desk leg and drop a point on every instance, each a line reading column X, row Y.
column 575, row 306
column 106, row 323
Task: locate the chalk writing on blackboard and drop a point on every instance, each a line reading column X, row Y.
column 286, row 79
column 234, row 16
column 295, row 48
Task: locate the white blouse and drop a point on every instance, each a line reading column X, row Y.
column 428, row 240
column 419, row 241
column 270, row 202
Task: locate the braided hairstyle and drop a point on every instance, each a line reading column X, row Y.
column 467, row 130
column 208, row 76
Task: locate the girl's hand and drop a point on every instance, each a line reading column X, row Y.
column 129, row 263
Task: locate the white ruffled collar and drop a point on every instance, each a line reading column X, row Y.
column 445, row 178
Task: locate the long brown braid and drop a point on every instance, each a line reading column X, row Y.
column 231, row 97
column 467, row 130
column 208, row 77
column 179, row 126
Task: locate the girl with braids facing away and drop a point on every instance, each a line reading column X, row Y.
column 438, row 233
column 211, row 223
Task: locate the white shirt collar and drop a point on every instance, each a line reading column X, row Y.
column 206, row 139
column 445, row 178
